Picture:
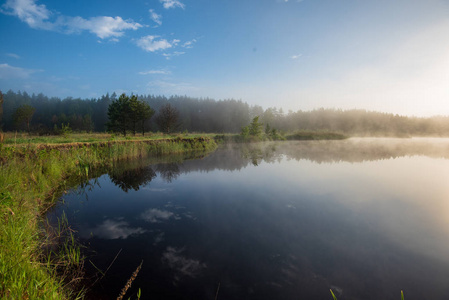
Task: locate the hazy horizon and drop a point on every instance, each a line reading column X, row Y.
column 296, row 55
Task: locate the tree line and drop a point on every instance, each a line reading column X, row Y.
column 140, row 113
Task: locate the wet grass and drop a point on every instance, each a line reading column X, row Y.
column 42, row 262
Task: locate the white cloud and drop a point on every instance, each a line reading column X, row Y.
column 149, row 72
column 172, row 4
column 29, row 12
column 102, row 26
column 38, row 17
column 189, row 44
column 150, row 43
column 13, row 55
column 168, row 56
column 7, row 72
column 155, row 17
column 295, row 57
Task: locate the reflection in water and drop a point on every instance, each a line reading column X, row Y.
column 181, row 265
column 365, row 217
column 236, row 157
column 111, row 229
column 132, row 178
column 168, row 172
column 154, row 215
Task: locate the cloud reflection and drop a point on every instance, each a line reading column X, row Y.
column 182, row 265
column 159, row 238
column 155, row 215
column 111, row 230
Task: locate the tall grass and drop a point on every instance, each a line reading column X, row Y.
column 32, row 178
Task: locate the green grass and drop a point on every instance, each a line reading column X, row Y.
column 21, row 138
column 238, row 138
column 33, row 175
column 21, row 272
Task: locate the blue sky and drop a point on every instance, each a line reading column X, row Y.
column 390, row 56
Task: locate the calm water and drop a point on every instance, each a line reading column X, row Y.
column 365, row 217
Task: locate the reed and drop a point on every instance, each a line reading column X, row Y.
column 129, row 282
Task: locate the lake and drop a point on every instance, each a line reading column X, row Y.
column 364, row 217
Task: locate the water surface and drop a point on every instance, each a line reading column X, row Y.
column 289, row 220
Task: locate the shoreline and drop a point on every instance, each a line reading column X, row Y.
column 35, row 174
column 32, row 178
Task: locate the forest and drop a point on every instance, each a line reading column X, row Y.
column 46, row 115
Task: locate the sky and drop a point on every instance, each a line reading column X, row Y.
column 381, row 55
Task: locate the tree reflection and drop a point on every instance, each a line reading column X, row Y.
column 254, row 155
column 258, row 152
column 355, row 150
column 132, row 178
column 131, row 175
column 169, row 171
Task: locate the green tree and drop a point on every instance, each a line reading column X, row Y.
column 145, row 113
column 126, row 113
column 168, row 119
column 24, row 114
column 245, row 131
column 255, row 128
column 267, row 129
column 135, row 113
column 119, row 114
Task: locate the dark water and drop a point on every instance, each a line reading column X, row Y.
column 366, row 218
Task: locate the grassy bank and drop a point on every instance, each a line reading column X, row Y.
column 33, row 173
column 22, row 138
column 300, row 135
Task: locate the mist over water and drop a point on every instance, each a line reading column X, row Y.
column 290, row 220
